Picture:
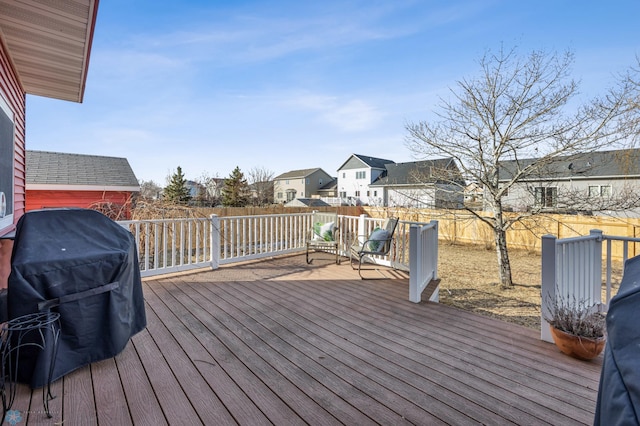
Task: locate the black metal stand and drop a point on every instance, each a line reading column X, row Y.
column 16, row 334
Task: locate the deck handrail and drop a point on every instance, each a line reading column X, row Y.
column 183, row 244
column 572, row 269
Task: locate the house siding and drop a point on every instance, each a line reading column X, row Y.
column 15, row 97
column 521, row 198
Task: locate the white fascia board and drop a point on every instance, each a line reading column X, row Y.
column 60, row 187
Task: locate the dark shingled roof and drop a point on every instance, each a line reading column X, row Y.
column 376, row 163
column 618, row 163
column 411, row 173
column 56, row 168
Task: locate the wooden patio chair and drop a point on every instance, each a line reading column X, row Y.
column 378, row 243
column 323, row 235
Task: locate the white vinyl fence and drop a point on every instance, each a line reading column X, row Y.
column 177, row 245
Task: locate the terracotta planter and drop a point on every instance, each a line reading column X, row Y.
column 578, row 347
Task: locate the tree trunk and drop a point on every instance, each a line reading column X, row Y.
column 504, row 266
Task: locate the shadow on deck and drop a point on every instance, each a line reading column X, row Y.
column 282, row 342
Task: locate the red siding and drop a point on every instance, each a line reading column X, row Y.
column 37, row 199
column 16, row 98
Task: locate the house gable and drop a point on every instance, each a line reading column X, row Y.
column 303, row 183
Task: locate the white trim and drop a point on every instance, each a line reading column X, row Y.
column 62, row 187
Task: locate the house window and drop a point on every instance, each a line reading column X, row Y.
column 286, row 182
column 343, row 194
column 7, row 150
column 302, row 194
column 546, row 197
column 320, row 181
column 357, row 193
column 344, row 175
column 375, row 193
column 361, row 175
column 306, row 181
column 279, row 195
column 599, row 191
column 367, row 193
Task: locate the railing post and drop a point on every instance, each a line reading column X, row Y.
column 597, row 266
column 548, row 288
column 362, row 228
column 414, row 265
column 434, row 248
column 215, row 241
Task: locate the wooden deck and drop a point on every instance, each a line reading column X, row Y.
column 280, row 342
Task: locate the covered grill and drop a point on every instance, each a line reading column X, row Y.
column 619, row 392
column 85, row 266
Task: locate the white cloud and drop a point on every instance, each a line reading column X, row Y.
column 348, row 115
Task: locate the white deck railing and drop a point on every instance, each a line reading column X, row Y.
column 177, row 245
column 423, row 252
column 171, row 245
column 572, row 270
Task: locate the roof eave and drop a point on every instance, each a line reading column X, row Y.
column 49, row 45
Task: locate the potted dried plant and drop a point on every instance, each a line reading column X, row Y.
column 578, row 329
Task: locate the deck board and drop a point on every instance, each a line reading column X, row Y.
column 283, row 342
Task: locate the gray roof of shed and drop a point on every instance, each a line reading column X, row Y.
column 56, row 168
column 617, row 163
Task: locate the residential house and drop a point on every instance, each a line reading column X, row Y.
column 356, row 174
column 299, row 184
column 420, row 184
column 44, row 51
column 578, row 183
column 56, row 179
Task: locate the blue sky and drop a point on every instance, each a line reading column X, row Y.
column 284, row 85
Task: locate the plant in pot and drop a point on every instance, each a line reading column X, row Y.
column 578, row 329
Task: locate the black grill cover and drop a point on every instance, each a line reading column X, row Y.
column 83, row 265
column 619, row 392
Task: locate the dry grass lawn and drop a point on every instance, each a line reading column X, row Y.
column 469, row 280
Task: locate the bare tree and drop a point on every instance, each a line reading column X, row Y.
column 261, row 183
column 149, row 190
column 519, row 107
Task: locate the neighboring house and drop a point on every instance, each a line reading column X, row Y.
column 196, row 189
column 56, row 179
column 420, row 184
column 329, row 193
column 574, row 183
column 356, row 174
column 299, row 184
